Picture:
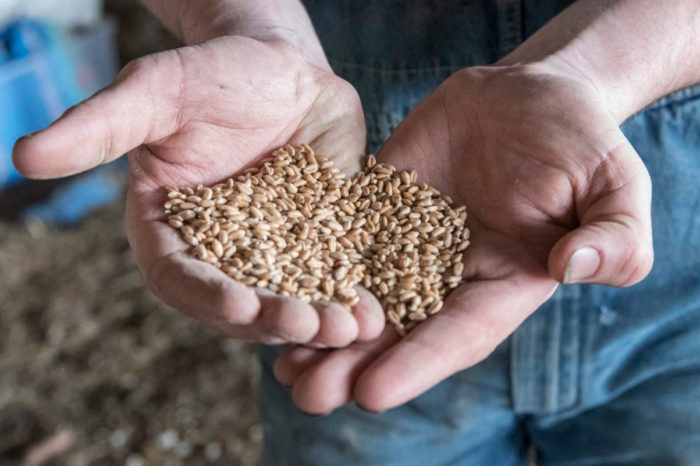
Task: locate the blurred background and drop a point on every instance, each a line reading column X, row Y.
column 93, row 370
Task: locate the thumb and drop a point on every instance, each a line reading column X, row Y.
column 140, row 106
column 613, row 244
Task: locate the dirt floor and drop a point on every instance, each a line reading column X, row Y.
column 91, row 360
column 93, row 369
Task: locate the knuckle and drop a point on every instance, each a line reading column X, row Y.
column 637, row 266
column 232, row 308
column 300, row 330
column 135, row 67
column 231, row 304
column 646, row 260
column 163, row 64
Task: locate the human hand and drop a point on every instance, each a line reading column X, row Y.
column 200, row 114
column 554, row 192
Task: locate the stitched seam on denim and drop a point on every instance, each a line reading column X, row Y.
column 590, row 329
column 545, row 361
column 522, row 377
column 552, row 358
column 570, row 349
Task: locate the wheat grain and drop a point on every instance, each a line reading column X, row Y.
column 297, row 226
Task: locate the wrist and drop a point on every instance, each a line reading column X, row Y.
column 617, row 95
column 622, row 95
column 631, row 51
column 558, row 67
column 263, row 20
column 617, row 101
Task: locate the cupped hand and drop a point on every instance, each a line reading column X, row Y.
column 200, row 114
column 555, row 193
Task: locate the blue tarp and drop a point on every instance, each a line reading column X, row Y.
column 43, row 71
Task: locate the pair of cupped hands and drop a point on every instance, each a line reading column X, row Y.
column 554, row 191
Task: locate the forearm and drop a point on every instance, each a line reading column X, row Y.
column 266, row 20
column 633, row 51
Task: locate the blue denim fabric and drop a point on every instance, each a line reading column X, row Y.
column 597, row 376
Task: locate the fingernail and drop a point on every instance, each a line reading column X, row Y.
column 583, row 264
column 362, row 408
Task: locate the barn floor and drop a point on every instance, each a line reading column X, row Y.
column 94, row 369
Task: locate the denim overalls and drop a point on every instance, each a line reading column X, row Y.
column 597, row 376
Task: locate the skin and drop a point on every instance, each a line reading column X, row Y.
column 201, row 114
column 531, row 145
column 532, row 202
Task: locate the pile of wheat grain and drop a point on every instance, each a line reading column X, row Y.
column 299, row 227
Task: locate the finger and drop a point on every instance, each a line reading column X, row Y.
column 476, row 318
column 248, row 333
column 328, row 382
column 337, row 326
column 135, row 109
column 287, row 318
column 369, row 315
column 202, row 291
column 280, row 320
column 294, row 361
column 191, row 286
column 613, row 245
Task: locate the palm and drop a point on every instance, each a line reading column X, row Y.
column 532, row 156
column 237, row 99
column 514, row 157
column 229, row 117
column 198, row 115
